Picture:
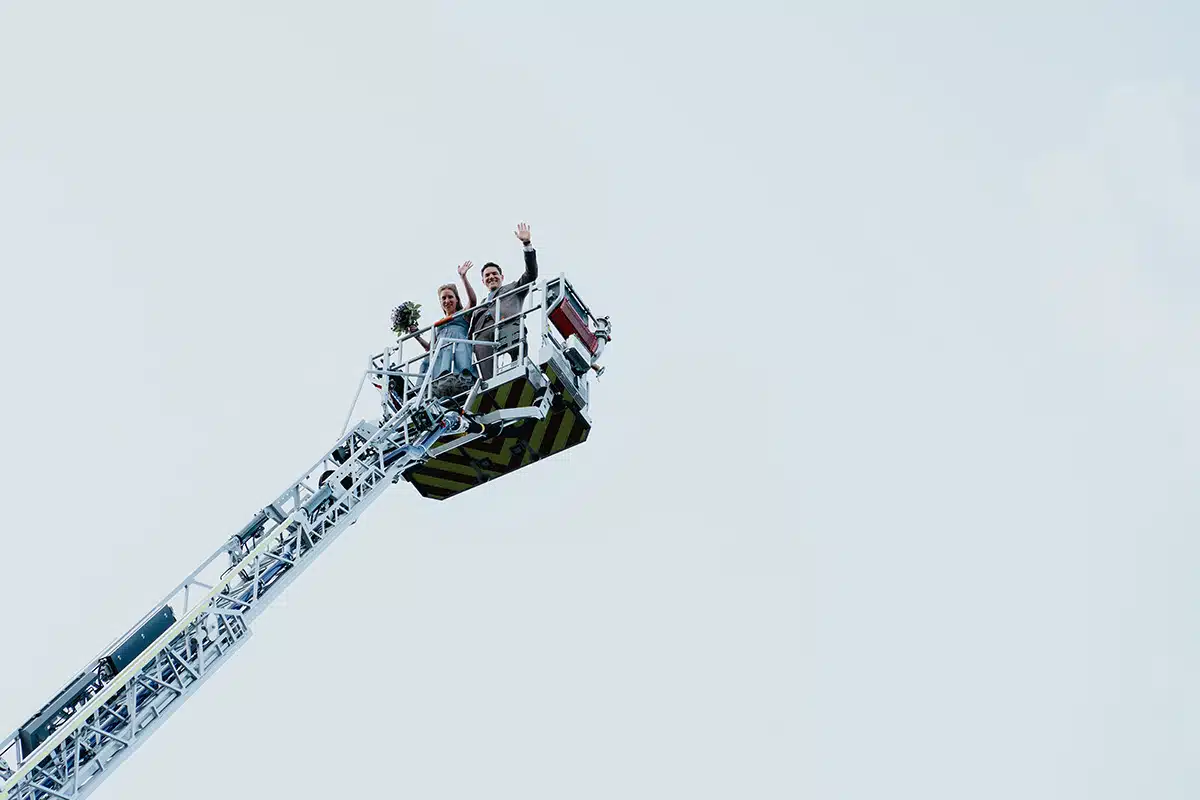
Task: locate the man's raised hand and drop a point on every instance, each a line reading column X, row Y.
column 522, row 232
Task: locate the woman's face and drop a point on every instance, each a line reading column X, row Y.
column 449, row 301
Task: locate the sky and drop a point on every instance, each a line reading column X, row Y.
column 887, row 490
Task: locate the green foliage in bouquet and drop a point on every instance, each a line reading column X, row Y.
column 405, row 316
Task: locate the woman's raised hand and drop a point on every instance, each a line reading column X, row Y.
column 464, row 268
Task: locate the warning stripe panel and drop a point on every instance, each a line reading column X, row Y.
column 433, row 487
column 579, row 435
column 560, row 439
column 501, row 393
column 480, row 461
column 552, row 425
column 518, row 393
column 437, row 477
column 453, row 467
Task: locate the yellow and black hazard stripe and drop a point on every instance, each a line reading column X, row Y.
column 518, row 393
column 482, row 460
column 440, row 479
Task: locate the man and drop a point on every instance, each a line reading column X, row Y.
column 483, row 324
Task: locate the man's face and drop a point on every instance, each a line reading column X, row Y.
column 492, row 278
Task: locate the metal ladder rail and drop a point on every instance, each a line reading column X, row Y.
column 165, row 660
column 93, row 740
column 268, row 554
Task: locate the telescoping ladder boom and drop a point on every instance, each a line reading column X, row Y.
column 106, row 712
column 121, row 697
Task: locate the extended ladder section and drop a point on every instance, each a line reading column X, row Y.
column 441, row 443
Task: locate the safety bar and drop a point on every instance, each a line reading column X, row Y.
column 391, row 363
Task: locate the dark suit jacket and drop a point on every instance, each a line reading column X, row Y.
column 485, row 317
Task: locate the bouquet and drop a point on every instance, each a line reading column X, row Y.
column 405, row 316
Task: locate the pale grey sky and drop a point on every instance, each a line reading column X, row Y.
column 889, row 491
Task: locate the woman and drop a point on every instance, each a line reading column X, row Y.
column 452, row 358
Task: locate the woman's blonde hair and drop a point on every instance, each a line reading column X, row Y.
column 454, row 289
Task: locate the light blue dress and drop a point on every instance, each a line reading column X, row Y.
column 452, row 358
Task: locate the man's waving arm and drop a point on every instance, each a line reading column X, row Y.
column 531, row 270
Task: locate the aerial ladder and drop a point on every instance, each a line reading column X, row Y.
column 443, row 441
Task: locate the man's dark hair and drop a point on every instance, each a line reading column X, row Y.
column 492, row 264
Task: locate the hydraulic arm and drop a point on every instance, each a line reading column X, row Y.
column 124, row 694
column 533, row 406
